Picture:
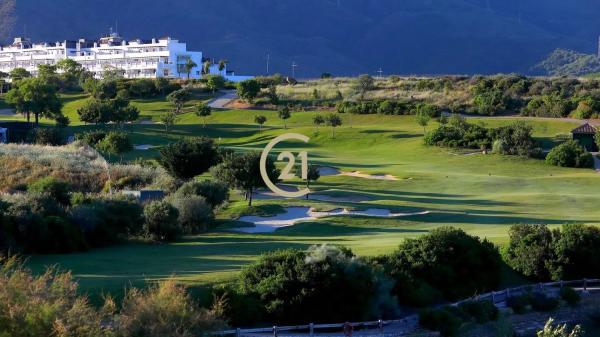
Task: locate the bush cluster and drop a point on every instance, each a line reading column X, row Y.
column 330, row 284
column 513, row 139
column 387, row 107
column 570, row 154
column 48, row 219
column 535, row 300
column 448, row 320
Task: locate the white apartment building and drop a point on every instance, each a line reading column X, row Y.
column 154, row 58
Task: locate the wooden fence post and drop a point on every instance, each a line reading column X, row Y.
column 380, row 327
column 275, row 331
column 311, row 328
column 585, row 284
column 494, row 297
column 238, row 332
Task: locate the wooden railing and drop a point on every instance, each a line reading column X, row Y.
column 410, row 323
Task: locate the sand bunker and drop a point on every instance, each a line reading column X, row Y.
column 332, row 171
column 294, row 215
column 143, row 147
column 358, row 174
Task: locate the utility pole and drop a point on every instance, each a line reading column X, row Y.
column 294, row 65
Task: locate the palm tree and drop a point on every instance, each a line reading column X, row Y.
column 188, row 66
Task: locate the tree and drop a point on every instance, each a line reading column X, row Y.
column 115, row 143
column 161, row 221
column 248, row 90
column 363, row 84
column 272, row 95
column 189, row 66
column 333, row 121
column 576, row 253
column 71, row 72
column 168, row 119
column 104, row 111
column 313, row 174
column 178, row 98
column 161, row 84
column 222, row 64
column 203, row 110
column 206, row 67
column 35, row 95
column 318, row 120
column 325, row 283
column 529, row 249
column 260, row 120
column 215, row 82
column 284, row 114
column 242, row 171
column 423, row 120
column 3, row 76
column 442, row 262
column 18, row 74
column 188, row 158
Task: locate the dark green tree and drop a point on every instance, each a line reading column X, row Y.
column 188, row 158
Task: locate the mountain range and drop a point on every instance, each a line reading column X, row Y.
column 343, row 37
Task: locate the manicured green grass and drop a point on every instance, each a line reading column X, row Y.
column 483, row 194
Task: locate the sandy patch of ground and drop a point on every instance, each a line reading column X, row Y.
column 358, row 174
column 325, row 171
column 294, row 215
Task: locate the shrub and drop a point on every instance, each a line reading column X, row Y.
column 161, row 221
column 519, row 303
column 516, row 138
column 189, row 158
column 166, row 309
column 570, row 295
column 91, row 138
column 115, row 143
column 56, row 188
column 107, row 220
column 45, row 305
column 46, row 136
column 195, row 215
column 215, row 193
column 542, row 302
column 443, row 320
column 480, row 311
column 570, row 154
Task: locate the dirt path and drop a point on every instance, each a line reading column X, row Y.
column 223, row 101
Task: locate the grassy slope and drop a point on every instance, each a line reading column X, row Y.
column 482, row 194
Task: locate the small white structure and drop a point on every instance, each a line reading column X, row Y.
column 3, row 135
column 164, row 57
